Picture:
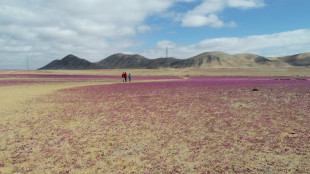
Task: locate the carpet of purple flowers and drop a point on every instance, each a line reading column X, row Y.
column 190, row 125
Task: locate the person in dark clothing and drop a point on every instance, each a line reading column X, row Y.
column 125, row 76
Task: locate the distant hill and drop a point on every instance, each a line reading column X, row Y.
column 204, row 60
column 70, row 62
column 253, row 60
column 121, row 61
column 297, row 60
column 208, row 59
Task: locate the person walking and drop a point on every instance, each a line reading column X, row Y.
column 125, row 77
column 129, row 77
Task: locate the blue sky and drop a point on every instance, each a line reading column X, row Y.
column 42, row 31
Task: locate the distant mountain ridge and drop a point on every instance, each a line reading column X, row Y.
column 71, row 62
column 204, row 60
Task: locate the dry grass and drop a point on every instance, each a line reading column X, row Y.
column 294, row 71
column 255, row 71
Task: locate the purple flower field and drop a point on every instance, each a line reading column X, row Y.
column 189, row 125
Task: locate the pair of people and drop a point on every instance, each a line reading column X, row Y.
column 125, row 76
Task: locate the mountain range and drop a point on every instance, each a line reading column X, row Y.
column 204, row 60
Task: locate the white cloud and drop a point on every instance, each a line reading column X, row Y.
column 185, row 0
column 16, row 32
column 278, row 44
column 143, row 28
column 201, row 20
column 55, row 33
column 205, row 14
column 246, row 4
column 165, row 43
column 46, row 30
column 92, row 28
column 8, row 14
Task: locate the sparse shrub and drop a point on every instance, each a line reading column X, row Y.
column 255, row 89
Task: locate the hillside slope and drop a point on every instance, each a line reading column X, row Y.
column 118, row 61
column 297, row 60
column 70, row 62
column 204, row 60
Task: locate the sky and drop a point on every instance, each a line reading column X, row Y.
column 41, row 31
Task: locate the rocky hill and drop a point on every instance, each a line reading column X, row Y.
column 297, row 60
column 204, row 60
column 70, row 62
column 121, row 61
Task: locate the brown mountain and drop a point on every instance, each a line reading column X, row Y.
column 70, row 62
column 253, row 60
column 135, row 61
column 297, row 60
column 119, row 61
column 198, row 61
column 222, row 60
column 204, row 60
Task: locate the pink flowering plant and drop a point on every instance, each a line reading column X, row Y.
column 192, row 125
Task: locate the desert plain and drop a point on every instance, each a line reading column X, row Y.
column 216, row 120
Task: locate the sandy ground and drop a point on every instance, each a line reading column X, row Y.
column 13, row 97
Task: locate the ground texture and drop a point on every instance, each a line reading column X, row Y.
column 159, row 125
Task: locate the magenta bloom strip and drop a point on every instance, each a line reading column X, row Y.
column 199, row 125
